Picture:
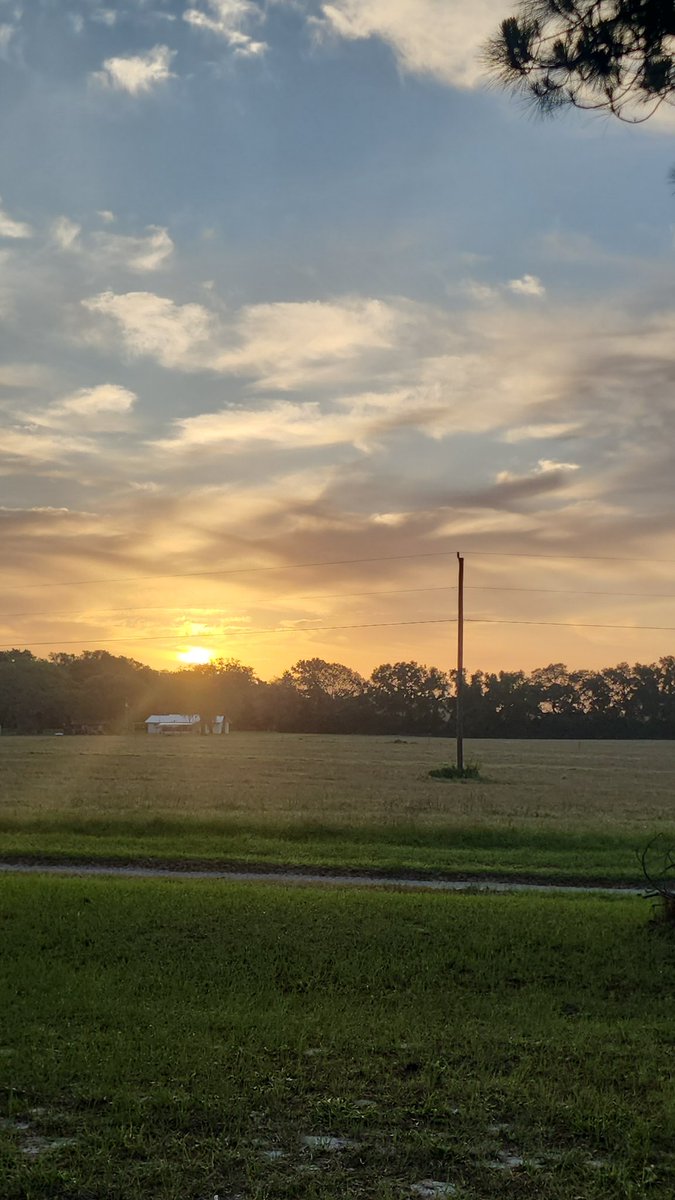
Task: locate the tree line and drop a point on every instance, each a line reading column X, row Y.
column 99, row 691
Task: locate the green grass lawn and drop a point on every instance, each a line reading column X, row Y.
column 515, row 852
column 558, row 809
column 178, row 1041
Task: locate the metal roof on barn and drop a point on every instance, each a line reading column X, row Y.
column 173, row 719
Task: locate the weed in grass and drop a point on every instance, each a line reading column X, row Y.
column 657, row 860
column 452, row 771
column 432, row 1189
column 324, row 1142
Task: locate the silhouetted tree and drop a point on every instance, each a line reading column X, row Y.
column 110, row 689
column 613, row 55
column 329, row 694
column 409, row 698
column 315, row 696
column 34, row 696
column 512, row 704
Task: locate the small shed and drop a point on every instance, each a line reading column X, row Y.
column 185, row 723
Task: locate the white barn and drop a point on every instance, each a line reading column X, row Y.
column 183, row 723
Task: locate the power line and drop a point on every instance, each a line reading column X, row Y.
column 340, row 562
column 570, row 591
column 337, row 562
column 569, row 557
column 173, row 637
column 67, row 612
column 568, row 624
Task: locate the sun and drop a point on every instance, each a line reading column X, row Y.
column 195, row 656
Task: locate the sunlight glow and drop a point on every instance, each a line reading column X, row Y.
column 195, row 656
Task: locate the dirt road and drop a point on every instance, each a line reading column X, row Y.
column 297, row 877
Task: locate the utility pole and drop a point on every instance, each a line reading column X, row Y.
column 459, row 682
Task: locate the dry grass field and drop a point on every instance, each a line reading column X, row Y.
column 329, row 799
column 338, row 780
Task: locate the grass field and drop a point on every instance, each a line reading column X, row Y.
column 186, row 1041
column 562, row 809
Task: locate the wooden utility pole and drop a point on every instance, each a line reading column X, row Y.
column 459, row 683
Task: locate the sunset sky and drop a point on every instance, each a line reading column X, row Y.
column 293, row 307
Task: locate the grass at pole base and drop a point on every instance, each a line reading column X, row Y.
column 451, row 771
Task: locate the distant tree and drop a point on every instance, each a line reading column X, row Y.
column 196, row 690
column 475, row 708
column 512, row 701
column 613, row 55
column 111, row 689
column 221, row 687
column 34, row 696
column 592, row 716
column 71, row 690
column 286, row 709
column 410, row 698
column 241, row 694
column 330, row 694
column 620, row 686
column 558, row 690
column 666, row 673
column 646, row 699
column 316, row 678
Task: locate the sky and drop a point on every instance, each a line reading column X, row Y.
column 294, row 306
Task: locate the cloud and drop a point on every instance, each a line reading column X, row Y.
column 444, row 399
column 10, row 228
column 513, row 488
column 524, row 433
column 39, row 446
column 529, row 285
column 46, row 425
column 104, row 16
column 102, row 408
column 361, row 421
column 281, row 346
column 284, row 345
column 373, row 375
column 175, row 335
column 105, row 397
column 55, row 432
column 548, row 464
column 42, row 518
column 22, row 376
column 65, row 233
column 285, row 424
column 7, row 32
column 362, row 370
column 147, row 252
column 441, row 38
column 225, row 18
column 483, row 293
column 489, row 293
column 137, row 73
